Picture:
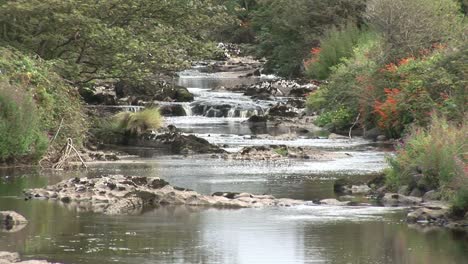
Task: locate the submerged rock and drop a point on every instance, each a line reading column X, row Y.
column 334, row 202
column 11, row 221
column 118, row 194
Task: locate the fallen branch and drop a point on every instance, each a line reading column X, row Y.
column 66, row 153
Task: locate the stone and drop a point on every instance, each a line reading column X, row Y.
column 381, row 138
column 11, row 221
column 283, row 111
column 333, row 202
column 257, row 119
column 394, row 199
column 9, row 257
column 133, row 194
column 427, row 215
column 336, row 136
column 431, row 195
column 403, row 190
column 416, row 192
column 360, row 189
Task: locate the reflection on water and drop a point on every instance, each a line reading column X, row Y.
column 196, row 235
column 305, row 234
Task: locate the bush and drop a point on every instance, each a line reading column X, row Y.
column 139, row 122
column 336, row 120
column 49, row 102
column 336, row 45
column 20, row 131
column 283, row 151
column 437, row 154
column 411, row 26
column 460, row 203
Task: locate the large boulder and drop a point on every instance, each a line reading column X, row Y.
column 172, row 110
column 438, row 216
column 186, row 144
column 150, row 90
column 283, row 110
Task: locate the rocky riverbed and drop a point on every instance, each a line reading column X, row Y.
column 118, row 194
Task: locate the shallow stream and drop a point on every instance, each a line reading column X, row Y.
column 305, row 234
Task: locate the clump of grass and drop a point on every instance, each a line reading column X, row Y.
column 139, row 122
column 438, row 154
column 282, row 151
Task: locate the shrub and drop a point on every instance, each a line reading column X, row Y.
column 336, row 45
column 283, row 151
column 460, row 203
column 20, row 132
column 54, row 103
column 336, row 120
column 139, row 122
column 437, row 154
column 410, row 26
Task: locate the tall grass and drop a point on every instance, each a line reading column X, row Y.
column 20, row 132
column 139, row 122
column 439, row 154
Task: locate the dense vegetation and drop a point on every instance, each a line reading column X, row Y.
column 50, row 50
column 404, row 73
column 433, row 158
column 38, row 109
column 90, row 40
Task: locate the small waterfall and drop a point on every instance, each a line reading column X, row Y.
column 132, row 108
column 232, row 112
column 187, row 109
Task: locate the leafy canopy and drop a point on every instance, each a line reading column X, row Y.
column 111, row 38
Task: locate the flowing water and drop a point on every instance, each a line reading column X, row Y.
column 305, row 234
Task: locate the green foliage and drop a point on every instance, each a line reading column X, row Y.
column 47, row 99
column 139, row 122
column 20, row 131
column 438, row 153
column 411, row 26
column 336, row 120
column 334, row 46
column 283, row 151
column 460, row 203
column 286, row 29
column 90, row 40
column 348, row 88
column 393, row 96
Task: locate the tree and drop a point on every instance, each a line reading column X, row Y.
column 287, row 29
column 111, row 38
column 411, row 26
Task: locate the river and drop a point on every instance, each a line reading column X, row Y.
column 304, row 234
